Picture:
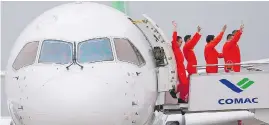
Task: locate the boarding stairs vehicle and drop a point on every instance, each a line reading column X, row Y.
column 219, row 92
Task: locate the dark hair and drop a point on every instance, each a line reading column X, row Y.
column 179, row 37
column 209, row 38
column 187, row 37
column 229, row 35
column 234, row 32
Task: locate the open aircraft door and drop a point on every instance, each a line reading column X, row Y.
column 208, row 92
column 165, row 61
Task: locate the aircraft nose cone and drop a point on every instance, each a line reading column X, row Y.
column 84, row 99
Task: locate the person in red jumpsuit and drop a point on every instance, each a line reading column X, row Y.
column 182, row 86
column 210, row 53
column 231, row 50
column 188, row 51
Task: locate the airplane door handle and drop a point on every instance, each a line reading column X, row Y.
column 134, row 103
column 137, row 73
column 16, row 77
column 21, row 108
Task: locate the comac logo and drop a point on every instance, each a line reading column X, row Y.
column 238, row 88
column 243, row 84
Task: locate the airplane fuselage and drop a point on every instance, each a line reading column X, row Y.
column 110, row 89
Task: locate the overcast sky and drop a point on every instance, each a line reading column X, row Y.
column 211, row 16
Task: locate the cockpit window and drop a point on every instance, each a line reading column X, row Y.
column 26, row 56
column 127, row 52
column 95, row 50
column 56, row 51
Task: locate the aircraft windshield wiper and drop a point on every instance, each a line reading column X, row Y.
column 74, row 59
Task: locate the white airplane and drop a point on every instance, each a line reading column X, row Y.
column 86, row 63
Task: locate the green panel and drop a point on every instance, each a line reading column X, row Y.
column 242, row 81
column 119, row 5
column 249, row 83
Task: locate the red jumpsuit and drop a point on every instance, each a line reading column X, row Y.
column 212, row 55
column 231, row 52
column 183, row 86
column 190, row 55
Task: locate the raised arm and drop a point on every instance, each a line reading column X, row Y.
column 191, row 44
column 235, row 39
column 174, row 41
column 237, row 35
column 216, row 41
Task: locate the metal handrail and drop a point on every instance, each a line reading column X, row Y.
column 232, row 64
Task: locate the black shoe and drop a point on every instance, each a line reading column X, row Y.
column 181, row 101
column 173, row 93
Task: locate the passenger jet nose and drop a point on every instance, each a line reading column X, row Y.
column 84, row 98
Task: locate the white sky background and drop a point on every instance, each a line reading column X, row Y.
column 211, row 16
